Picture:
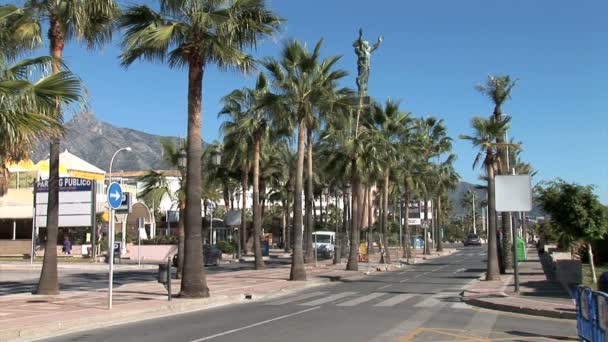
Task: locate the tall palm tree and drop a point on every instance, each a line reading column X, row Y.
column 89, row 21
column 156, row 186
column 301, row 80
column 238, row 156
column 498, row 89
column 27, row 107
column 484, row 138
column 391, row 122
column 447, row 179
column 194, row 34
column 253, row 121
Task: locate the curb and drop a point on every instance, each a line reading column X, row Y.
column 518, row 309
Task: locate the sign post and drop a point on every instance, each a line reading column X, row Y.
column 114, row 202
column 513, row 193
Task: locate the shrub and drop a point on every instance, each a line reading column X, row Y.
column 161, row 240
column 227, row 247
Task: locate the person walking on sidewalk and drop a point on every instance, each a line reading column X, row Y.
column 67, row 246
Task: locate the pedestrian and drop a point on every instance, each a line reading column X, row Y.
column 67, row 246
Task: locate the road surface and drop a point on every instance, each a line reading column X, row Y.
column 420, row 303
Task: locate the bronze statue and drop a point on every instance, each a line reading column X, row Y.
column 364, row 54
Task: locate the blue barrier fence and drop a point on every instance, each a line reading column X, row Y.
column 591, row 314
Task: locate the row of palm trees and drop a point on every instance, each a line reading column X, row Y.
column 340, row 146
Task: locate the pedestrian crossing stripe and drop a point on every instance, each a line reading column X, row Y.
column 375, row 299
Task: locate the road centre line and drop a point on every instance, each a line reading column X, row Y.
column 384, row 287
column 227, row 332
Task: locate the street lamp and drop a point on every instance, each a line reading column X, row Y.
column 182, row 159
column 111, row 235
column 216, row 157
column 112, row 160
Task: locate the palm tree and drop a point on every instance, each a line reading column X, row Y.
column 498, row 89
column 433, row 141
column 253, row 121
column 238, row 156
column 447, row 179
column 391, row 123
column 484, row 138
column 193, row 34
column 90, row 21
column 300, row 81
column 156, row 186
column 27, row 107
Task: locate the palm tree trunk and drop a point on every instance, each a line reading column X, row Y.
column 385, row 216
column 427, row 248
column 298, row 272
column 245, row 186
column 438, row 215
column 507, row 255
column 310, row 201
column 353, row 264
column 492, row 270
column 4, row 178
column 257, row 210
column 289, row 229
column 340, row 226
column 48, row 283
column 408, row 234
column 370, row 211
column 180, row 239
column 194, row 282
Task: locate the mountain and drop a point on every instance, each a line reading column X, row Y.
column 96, row 141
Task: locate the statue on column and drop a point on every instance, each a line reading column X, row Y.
column 364, row 54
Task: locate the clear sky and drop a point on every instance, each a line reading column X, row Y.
column 434, row 53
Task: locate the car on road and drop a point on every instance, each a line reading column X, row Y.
column 472, row 240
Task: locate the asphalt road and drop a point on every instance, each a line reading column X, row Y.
column 420, row 303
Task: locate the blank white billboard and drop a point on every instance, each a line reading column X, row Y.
column 513, row 193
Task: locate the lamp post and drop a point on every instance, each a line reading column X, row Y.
column 111, row 236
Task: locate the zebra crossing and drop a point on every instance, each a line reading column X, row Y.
column 374, row 299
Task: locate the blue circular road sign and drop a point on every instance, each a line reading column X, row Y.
column 114, row 195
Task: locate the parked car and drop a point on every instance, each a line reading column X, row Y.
column 472, row 240
column 211, row 256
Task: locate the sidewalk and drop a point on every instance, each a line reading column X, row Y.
column 26, row 317
column 539, row 295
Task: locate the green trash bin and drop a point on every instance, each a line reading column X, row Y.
column 520, row 247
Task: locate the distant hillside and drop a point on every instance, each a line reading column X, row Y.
column 96, row 141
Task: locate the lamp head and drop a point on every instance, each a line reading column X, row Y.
column 128, row 149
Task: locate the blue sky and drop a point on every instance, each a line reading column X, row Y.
column 434, row 53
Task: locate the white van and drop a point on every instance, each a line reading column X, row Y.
column 324, row 243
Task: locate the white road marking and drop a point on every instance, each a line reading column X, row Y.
column 227, row 332
column 296, row 298
column 395, row 300
column 459, row 270
column 363, row 299
column 384, row 287
column 329, row 298
column 404, row 280
column 427, row 303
